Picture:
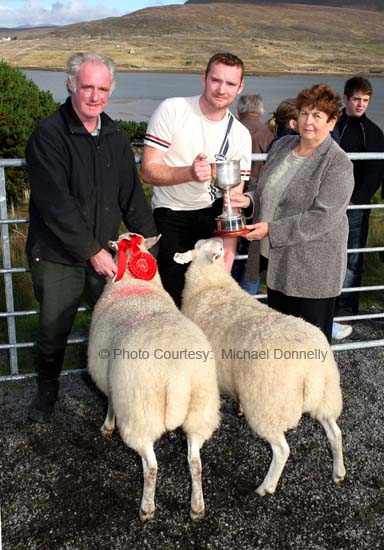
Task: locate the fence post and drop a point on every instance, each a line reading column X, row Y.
column 8, row 283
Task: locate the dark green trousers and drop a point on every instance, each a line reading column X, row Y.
column 60, row 289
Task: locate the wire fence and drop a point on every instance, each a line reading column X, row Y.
column 12, row 345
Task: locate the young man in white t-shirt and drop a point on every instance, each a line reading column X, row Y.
column 183, row 137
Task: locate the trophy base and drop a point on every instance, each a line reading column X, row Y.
column 234, row 233
column 230, row 226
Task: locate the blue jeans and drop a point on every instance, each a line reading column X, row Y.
column 348, row 302
column 239, row 267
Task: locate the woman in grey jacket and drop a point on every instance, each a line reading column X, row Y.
column 300, row 227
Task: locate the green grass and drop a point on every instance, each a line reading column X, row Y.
column 374, row 261
column 26, row 327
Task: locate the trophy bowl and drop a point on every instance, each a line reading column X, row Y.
column 227, row 175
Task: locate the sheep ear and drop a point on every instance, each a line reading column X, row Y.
column 183, row 257
column 113, row 245
column 151, row 241
column 199, row 244
column 216, row 257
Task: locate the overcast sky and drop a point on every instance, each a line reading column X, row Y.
column 15, row 13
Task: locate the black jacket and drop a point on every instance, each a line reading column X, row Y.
column 360, row 135
column 81, row 188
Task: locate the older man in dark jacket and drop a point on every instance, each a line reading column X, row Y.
column 83, row 183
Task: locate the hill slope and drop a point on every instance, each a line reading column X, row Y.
column 359, row 4
column 270, row 39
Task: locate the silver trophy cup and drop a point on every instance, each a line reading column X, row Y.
column 226, row 175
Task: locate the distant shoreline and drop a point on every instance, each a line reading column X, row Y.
column 253, row 73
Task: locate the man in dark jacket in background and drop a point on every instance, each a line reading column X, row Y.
column 83, row 183
column 358, row 134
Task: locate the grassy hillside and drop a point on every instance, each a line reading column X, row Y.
column 360, row 4
column 270, row 38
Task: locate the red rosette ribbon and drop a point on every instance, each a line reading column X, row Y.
column 122, row 256
column 143, row 265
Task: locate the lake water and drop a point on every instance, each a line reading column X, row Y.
column 138, row 94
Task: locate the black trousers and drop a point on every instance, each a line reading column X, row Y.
column 180, row 230
column 59, row 289
column 348, row 302
column 317, row 311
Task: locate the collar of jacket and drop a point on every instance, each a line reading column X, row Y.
column 251, row 120
column 282, row 131
column 75, row 126
column 347, row 119
column 288, row 143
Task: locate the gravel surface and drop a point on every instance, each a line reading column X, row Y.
column 63, row 486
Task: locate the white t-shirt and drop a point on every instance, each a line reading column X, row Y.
column 179, row 127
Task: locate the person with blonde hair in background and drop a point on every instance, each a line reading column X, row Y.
column 283, row 121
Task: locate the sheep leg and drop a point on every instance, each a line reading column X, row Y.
column 109, row 422
column 194, row 461
column 280, row 456
column 336, row 442
column 147, row 508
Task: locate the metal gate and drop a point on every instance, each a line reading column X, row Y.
column 12, row 346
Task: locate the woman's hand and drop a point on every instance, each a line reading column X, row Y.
column 258, row 231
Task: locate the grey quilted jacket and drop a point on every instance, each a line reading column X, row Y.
column 308, row 235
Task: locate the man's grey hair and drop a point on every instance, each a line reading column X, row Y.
column 251, row 103
column 76, row 60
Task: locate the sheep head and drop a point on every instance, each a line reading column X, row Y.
column 206, row 250
column 145, row 244
column 132, row 253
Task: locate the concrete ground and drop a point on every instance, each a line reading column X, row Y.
column 63, row 486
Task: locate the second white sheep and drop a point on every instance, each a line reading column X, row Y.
column 277, row 366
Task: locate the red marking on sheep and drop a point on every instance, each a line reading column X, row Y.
column 135, row 290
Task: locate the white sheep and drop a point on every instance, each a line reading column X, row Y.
column 158, row 371
column 277, row 366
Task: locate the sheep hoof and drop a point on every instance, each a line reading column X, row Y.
column 106, row 433
column 262, row 490
column 197, row 515
column 146, row 516
column 338, row 478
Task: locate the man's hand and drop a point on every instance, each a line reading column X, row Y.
column 201, row 169
column 103, row 263
column 155, row 171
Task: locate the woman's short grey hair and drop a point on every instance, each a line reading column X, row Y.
column 76, row 60
column 252, row 103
